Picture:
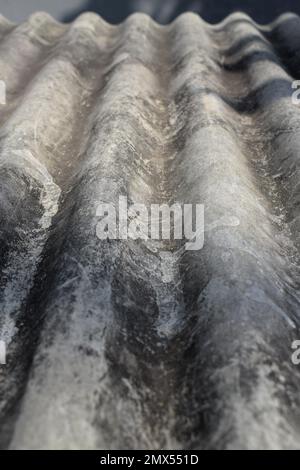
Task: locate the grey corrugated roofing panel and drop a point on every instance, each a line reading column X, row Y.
column 132, row 344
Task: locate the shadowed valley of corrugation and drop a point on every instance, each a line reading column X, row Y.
column 140, row 344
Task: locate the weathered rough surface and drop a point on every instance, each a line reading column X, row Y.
column 139, row 344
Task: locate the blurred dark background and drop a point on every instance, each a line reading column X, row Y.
column 163, row 11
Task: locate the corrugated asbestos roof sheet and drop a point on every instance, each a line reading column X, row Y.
column 132, row 344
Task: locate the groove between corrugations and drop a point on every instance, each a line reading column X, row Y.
column 132, row 344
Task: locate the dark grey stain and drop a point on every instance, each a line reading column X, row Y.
column 213, row 11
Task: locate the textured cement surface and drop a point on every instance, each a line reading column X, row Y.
column 138, row 344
